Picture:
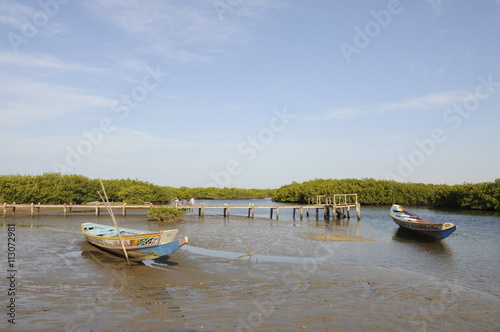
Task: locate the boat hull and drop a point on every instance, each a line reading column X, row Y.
column 418, row 225
column 139, row 245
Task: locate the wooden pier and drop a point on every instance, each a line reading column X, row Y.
column 339, row 204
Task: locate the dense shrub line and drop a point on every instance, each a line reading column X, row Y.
column 56, row 188
column 478, row 196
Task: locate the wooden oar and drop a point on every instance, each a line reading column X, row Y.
column 110, row 210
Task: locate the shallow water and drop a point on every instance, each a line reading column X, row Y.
column 62, row 282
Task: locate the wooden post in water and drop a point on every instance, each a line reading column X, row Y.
column 358, row 211
column 32, row 210
column 97, row 212
column 251, row 210
column 65, row 209
column 277, row 213
column 326, row 212
column 124, row 209
column 14, row 209
column 4, row 210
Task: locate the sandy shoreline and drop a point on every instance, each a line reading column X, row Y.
column 200, row 293
column 292, row 282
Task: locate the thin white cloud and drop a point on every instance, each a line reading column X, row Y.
column 437, row 101
column 42, row 62
column 334, row 114
column 25, row 101
column 184, row 30
column 19, row 17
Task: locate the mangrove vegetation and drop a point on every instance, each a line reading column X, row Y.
column 56, row 188
column 478, row 196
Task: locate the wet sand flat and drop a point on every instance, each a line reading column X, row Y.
column 64, row 283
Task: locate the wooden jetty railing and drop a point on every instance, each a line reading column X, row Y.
column 340, row 204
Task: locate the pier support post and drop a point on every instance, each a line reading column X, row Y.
column 301, row 213
column 65, row 210
column 97, row 211
column 4, row 210
column 358, row 211
column 251, row 211
column 277, row 213
column 14, row 209
column 32, row 210
column 124, row 209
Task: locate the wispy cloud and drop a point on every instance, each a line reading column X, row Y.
column 42, row 62
column 25, row 100
column 186, row 31
column 437, row 101
column 333, row 114
column 17, row 16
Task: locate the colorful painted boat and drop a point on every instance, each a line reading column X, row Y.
column 412, row 222
column 140, row 245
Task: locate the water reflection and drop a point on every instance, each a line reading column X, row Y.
column 425, row 244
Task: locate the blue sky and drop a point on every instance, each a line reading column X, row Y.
column 252, row 94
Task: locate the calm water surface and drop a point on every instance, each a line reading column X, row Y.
column 469, row 256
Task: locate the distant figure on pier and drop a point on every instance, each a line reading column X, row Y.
column 191, row 200
column 176, row 201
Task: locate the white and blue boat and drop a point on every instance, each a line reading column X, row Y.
column 139, row 245
column 410, row 221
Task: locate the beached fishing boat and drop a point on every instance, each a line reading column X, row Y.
column 139, row 245
column 412, row 222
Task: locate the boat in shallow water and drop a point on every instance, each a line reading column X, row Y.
column 140, row 245
column 410, row 221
